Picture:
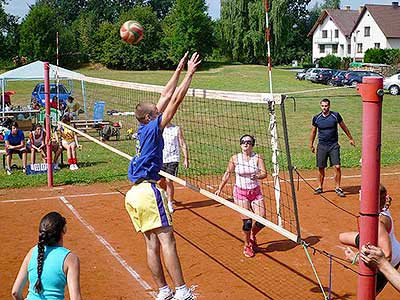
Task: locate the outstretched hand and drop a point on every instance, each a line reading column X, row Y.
column 182, row 62
column 193, row 63
column 371, row 255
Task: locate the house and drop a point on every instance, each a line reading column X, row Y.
column 331, row 34
column 378, row 26
column 350, row 33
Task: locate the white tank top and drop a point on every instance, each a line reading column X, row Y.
column 244, row 170
column 37, row 141
column 395, row 243
column 171, row 144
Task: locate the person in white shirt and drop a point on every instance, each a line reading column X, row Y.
column 173, row 142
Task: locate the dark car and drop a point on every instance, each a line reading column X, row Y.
column 62, row 93
column 353, row 77
column 337, row 78
column 324, row 76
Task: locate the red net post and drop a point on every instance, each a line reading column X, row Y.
column 48, row 125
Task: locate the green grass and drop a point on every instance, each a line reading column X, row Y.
column 98, row 164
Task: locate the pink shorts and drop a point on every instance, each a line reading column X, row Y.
column 247, row 194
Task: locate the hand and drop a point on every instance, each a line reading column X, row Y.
column 218, row 192
column 79, row 147
column 349, row 254
column 182, row 62
column 372, row 255
column 312, row 148
column 352, row 142
column 186, row 163
column 193, row 63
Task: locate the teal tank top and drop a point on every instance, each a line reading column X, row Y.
column 53, row 277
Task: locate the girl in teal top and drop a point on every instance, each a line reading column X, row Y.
column 48, row 265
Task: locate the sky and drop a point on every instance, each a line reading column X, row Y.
column 20, row 7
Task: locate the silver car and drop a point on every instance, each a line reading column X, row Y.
column 392, row 84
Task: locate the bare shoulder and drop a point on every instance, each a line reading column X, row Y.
column 71, row 260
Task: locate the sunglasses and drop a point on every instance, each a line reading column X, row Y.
column 246, row 142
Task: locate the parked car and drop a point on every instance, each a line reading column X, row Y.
column 337, row 78
column 38, row 93
column 324, row 76
column 392, row 84
column 313, row 74
column 300, row 75
column 353, row 77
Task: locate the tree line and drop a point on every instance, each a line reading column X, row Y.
column 88, row 32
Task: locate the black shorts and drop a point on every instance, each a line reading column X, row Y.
column 14, row 151
column 381, row 280
column 170, row 168
column 324, row 152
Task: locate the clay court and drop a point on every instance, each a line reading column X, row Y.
column 209, row 239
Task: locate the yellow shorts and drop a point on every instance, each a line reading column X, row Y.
column 146, row 204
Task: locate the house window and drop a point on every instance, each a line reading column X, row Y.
column 334, row 48
column 377, row 45
column 336, row 33
column 321, row 48
column 367, row 31
column 324, row 34
column 359, row 48
column 349, row 49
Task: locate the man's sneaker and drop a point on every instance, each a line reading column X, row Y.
column 24, row 170
column 254, row 245
column 188, row 296
column 318, row 191
column 171, row 207
column 340, row 192
column 164, row 296
column 248, row 251
column 9, row 172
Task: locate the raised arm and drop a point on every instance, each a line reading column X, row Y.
column 72, row 270
column 229, row 170
column 184, row 147
column 181, row 91
column 347, row 132
column 170, row 87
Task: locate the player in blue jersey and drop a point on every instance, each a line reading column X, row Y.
column 326, row 122
column 146, row 202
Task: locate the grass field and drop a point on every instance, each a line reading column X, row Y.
column 95, row 162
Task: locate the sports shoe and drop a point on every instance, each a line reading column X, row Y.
column 340, row 192
column 171, row 207
column 318, row 191
column 248, row 251
column 254, row 245
column 76, row 167
column 71, row 167
column 164, row 296
column 188, row 296
column 9, row 172
column 56, row 166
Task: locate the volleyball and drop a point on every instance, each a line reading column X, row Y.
column 131, row 32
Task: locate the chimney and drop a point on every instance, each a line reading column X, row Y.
column 360, row 9
column 347, row 7
column 395, row 4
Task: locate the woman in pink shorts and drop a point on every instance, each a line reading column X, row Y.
column 249, row 168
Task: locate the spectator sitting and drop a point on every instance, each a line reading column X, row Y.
column 69, row 142
column 73, row 108
column 37, row 143
column 35, row 104
column 15, row 143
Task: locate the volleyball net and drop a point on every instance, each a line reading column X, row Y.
column 212, row 123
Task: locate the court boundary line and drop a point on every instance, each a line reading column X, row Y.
column 57, row 197
column 110, row 248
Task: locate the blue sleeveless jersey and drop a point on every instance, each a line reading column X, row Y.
column 149, row 151
column 53, row 277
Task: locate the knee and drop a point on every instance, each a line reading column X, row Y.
column 247, row 224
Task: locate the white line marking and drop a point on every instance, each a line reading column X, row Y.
column 110, row 248
column 56, row 197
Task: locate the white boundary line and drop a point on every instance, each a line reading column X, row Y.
column 57, row 197
column 110, row 248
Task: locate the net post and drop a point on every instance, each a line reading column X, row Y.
column 371, row 91
column 290, row 166
column 48, row 124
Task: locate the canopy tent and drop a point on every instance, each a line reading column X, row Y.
column 35, row 71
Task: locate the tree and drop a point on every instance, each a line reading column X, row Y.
column 188, row 28
column 161, row 7
column 38, row 34
column 8, row 35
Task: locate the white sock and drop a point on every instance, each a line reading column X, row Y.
column 181, row 291
column 165, row 290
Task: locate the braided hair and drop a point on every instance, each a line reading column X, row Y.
column 50, row 229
